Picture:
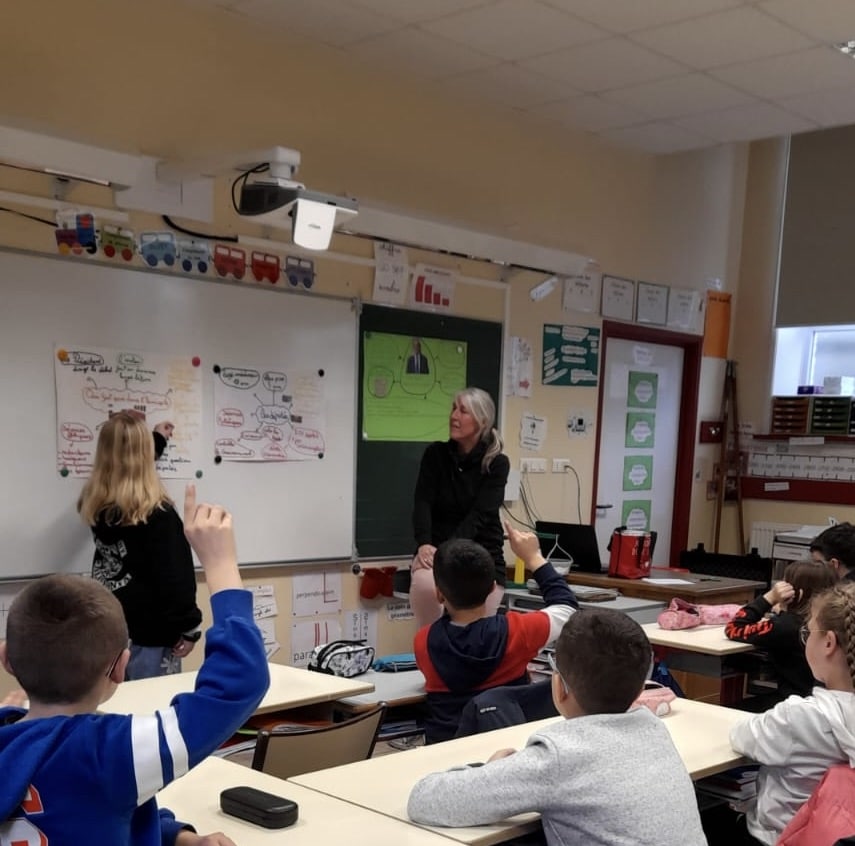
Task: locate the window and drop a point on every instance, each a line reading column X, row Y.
column 805, row 355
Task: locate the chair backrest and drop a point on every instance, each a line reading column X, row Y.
column 287, row 753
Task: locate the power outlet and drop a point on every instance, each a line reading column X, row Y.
column 533, row 465
column 561, row 465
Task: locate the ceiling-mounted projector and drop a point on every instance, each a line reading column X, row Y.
column 310, row 215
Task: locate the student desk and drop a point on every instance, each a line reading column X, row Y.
column 395, row 689
column 709, row 590
column 701, row 652
column 700, row 732
column 290, row 687
column 195, row 799
column 641, row 610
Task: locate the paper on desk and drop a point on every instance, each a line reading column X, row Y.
column 668, row 581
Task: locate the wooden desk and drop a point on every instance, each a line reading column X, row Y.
column 395, row 689
column 290, row 687
column 195, row 799
column 708, row 640
column 697, row 658
column 700, row 732
column 709, row 590
column 641, row 610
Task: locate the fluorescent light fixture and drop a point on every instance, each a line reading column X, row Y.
column 847, row 47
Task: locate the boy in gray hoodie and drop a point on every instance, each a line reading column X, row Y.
column 603, row 775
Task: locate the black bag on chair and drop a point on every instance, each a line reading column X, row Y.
column 510, row 705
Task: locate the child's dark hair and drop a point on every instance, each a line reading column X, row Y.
column 837, row 542
column 808, row 578
column 464, row 573
column 604, row 657
column 62, row 634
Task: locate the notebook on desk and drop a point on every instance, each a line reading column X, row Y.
column 578, row 540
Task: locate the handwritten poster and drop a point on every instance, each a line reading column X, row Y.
column 519, row 374
column 582, row 290
column 391, row 273
column 268, row 414
column 571, row 355
column 93, row 382
column 618, row 298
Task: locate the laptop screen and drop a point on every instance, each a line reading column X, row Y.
column 578, row 540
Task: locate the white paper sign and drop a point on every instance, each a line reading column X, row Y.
column 305, row 636
column 618, row 298
column 268, row 636
column 315, row 593
column 432, row 288
column 391, row 273
column 360, row 625
column 92, row 382
column 520, row 373
column 399, row 611
column 6, row 597
column 532, row 431
column 582, row 291
column 652, row 303
column 684, row 308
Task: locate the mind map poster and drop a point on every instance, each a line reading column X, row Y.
column 268, row 414
column 93, row 382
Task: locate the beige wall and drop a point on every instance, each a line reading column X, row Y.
column 175, row 80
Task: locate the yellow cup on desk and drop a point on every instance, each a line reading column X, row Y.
column 519, row 571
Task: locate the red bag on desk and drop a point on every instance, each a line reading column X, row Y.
column 630, row 554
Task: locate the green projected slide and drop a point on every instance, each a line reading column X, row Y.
column 408, row 386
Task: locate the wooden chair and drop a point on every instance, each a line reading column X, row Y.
column 290, row 752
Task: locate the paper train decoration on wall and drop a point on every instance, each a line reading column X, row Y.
column 78, row 235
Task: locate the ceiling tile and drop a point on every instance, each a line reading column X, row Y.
column 589, row 112
column 515, row 29
column 782, row 76
column 415, row 11
column 326, row 21
column 678, row 95
column 511, row 85
column 835, row 107
column 723, row 38
column 657, row 138
column 419, row 53
column 743, row 123
column 623, row 16
column 825, row 20
column 606, row 64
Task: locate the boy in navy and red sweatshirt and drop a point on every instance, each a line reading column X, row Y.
column 464, row 652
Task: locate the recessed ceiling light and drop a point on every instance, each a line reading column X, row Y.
column 847, row 47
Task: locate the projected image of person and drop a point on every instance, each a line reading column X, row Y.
column 417, row 362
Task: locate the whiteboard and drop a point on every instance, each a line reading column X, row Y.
column 284, row 511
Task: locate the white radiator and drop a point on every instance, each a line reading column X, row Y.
column 763, row 535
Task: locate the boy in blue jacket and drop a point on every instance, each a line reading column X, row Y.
column 72, row 776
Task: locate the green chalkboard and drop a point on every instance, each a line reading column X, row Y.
column 386, row 470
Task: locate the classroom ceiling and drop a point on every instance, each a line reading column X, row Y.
column 656, row 75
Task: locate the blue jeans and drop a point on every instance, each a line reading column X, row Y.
column 147, row 662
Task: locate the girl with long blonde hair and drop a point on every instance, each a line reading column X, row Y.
column 141, row 553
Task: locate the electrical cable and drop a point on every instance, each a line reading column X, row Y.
column 232, row 239
column 517, row 519
column 51, row 223
column 572, row 469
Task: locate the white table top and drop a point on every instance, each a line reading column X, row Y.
column 195, row 799
column 700, row 732
column 392, row 688
column 290, row 687
column 707, row 639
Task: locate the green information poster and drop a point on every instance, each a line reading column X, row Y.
column 640, row 429
column 638, row 472
column 642, row 391
column 408, row 386
column 635, row 514
column 571, row 355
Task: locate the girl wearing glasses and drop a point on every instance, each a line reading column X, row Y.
column 772, row 621
column 799, row 739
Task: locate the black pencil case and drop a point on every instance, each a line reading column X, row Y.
column 259, row 807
